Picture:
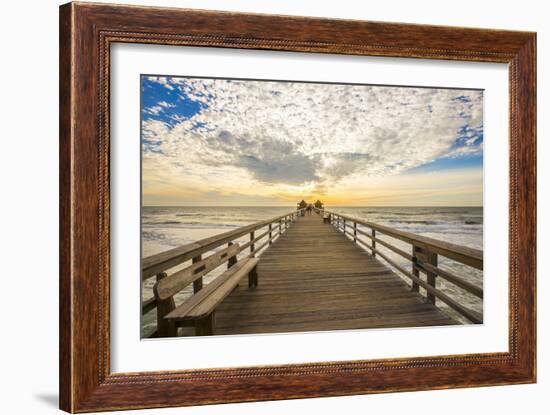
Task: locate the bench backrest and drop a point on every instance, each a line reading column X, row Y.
column 174, row 283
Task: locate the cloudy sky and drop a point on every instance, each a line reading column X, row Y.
column 213, row 142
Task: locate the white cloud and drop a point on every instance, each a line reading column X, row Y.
column 266, row 133
column 165, row 104
column 154, row 109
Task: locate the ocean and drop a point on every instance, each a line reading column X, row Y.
column 165, row 228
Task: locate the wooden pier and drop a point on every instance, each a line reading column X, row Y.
column 306, row 272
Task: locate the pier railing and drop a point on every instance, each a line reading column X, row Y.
column 423, row 257
column 170, row 281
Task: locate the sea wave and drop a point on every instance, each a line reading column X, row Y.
column 416, row 222
column 420, row 212
column 182, row 224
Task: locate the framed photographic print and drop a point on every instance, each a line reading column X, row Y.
column 260, row 207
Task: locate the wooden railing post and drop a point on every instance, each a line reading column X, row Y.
column 233, row 260
column 429, row 258
column 354, row 231
column 431, row 277
column 373, row 241
column 165, row 328
column 270, row 234
column 252, row 243
column 197, row 284
column 344, row 228
column 415, row 272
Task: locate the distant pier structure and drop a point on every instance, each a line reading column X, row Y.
column 305, row 271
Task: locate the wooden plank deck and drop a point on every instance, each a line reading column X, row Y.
column 313, row 278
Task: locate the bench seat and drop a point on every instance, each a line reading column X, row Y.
column 199, row 309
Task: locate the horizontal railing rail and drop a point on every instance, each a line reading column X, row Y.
column 423, row 257
column 262, row 234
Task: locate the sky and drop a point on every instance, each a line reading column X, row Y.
column 218, row 142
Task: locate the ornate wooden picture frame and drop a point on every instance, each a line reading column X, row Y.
column 87, row 32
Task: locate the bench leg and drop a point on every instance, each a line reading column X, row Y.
column 205, row 327
column 253, row 278
column 165, row 328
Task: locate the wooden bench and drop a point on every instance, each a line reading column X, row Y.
column 198, row 310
